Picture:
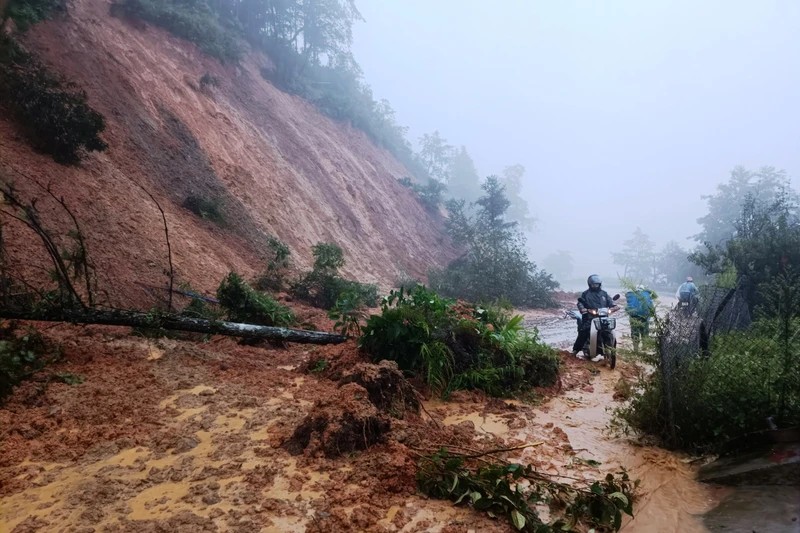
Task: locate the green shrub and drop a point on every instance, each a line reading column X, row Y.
column 430, row 195
column 274, row 277
column 719, row 398
column 454, row 347
column 206, row 208
column 51, row 112
column 244, row 304
column 192, row 20
column 348, row 312
column 21, row 355
column 323, row 286
column 26, row 13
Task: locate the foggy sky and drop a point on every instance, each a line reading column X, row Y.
column 623, row 112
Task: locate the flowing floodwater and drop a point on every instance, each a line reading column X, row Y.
column 671, row 500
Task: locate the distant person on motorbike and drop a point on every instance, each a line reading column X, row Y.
column 640, row 309
column 592, row 298
column 687, row 292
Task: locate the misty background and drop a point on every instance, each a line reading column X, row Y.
column 623, row 113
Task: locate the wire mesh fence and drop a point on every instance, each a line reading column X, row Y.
column 724, row 373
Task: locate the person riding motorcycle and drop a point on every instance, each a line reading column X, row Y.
column 592, row 298
column 687, row 292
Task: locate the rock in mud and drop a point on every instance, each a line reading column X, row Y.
column 345, row 423
column 388, row 390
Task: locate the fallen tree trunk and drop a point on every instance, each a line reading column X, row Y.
column 180, row 323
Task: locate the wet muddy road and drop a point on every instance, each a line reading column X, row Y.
column 180, row 436
column 671, row 499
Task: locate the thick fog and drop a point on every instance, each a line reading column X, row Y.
column 623, row 112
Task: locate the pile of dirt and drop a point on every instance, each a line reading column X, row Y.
column 388, row 390
column 342, row 424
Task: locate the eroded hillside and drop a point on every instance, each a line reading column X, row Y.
column 277, row 166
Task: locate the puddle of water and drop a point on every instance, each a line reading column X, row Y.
column 488, row 423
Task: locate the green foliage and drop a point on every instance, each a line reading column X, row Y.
column 767, row 241
column 495, row 264
column 26, row 13
column 244, row 304
column 52, row 112
column 328, row 257
column 513, row 492
column 274, row 277
column 21, row 355
column 197, row 307
column 721, row 397
column 430, row 195
column 672, row 265
column 319, row 366
column 766, row 186
column 455, row 347
column 206, row 208
column 323, row 286
column 192, row 20
column 348, row 312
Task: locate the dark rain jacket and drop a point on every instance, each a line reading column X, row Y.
column 594, row 300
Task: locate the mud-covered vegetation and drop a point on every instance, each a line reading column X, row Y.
column 52, row 112
column 512, row 491
column 495, row 264
column 455, row 346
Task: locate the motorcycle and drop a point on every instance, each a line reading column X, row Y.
column 602, row 339
column 686, row 305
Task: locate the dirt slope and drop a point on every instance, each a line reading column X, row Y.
column 279, row 166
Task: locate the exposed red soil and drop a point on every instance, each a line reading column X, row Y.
column 278, row 166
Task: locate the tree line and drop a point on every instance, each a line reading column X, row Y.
column 751, row 231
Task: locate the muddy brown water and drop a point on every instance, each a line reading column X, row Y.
column 671, row 498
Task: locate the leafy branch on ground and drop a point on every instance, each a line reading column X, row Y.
column 455, row 346
column 247, row 305
column 512, row 491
